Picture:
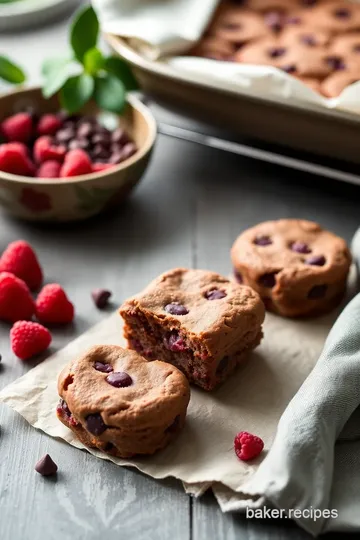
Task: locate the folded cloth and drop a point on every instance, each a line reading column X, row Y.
column 305, row 469
column 168, row 25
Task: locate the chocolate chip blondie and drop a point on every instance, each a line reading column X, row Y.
column 196, row 320
column 298, row 268
column 116, row 401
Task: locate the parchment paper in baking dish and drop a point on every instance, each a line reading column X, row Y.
column 253, row 399
column 159, row 28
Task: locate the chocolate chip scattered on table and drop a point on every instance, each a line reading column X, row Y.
column 316, row 41
column 196, row 320
column 116, row 401
column 298, row 268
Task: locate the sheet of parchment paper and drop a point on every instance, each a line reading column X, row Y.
column 253, row 399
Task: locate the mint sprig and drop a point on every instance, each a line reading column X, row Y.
column 87, row 73
column 10, row 72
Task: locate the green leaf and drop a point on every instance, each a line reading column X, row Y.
column 122, row 71
column 55, row 74
column 93, row 61
column 10, row 72
column 84, row 32
column 110, row 93
column 76, row 92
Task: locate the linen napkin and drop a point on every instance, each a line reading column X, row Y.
column 164, row 30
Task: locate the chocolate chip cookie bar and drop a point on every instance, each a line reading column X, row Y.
column 196, row 320
column 116, row 401
column 298, row 268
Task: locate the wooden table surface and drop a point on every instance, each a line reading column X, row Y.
column 187, row 211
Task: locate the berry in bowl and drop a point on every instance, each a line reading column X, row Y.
column 60, row 167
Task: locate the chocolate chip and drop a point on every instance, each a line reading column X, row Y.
column 173, row 342
column 95, row 424
column 309, row 2
column 290, row 68
column 268, row 280
column 238, row 276
column 84, row 130
column 104, row 368
column 276, row 52
column 116, row 157
column 263, row 240
column 318, row 291
column 65, row 135
column 274, row 20
column 222, row 365
column 215, row 294
column 316, row 260
column 136, row 345
column 101, row 139
column 119, row 379
column 174, row 426
column 176, row 309
column 342, row 13
column 335, row 62
column 100, row 152
column 128, row 150
column 308, row 39
column 101, row 297
column 356, row 48
column 119, row 136
column 46, row 466
column 300, row 247
column 109, row 447
column 76, row 144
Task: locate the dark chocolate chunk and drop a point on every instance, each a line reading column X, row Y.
column 268, row 280
column 316, row 260
column 176, row 309
column 46, row 466
column 119, row 379
column 95, row 424
column 300, row 247
column 101, row 297
column 318, row 291
column 263, row 240
column 215, row 294
column 104, row 368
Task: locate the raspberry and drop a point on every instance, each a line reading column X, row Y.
column 20, row 259
column 48, row 124
column 247, row 446
column 15, row 299
column 44, row 150
column 14, row 159
column 28, row 339
column 98, row 167
column 76, row 163
column 49, row 169
column 53, row 306
column 17, row 127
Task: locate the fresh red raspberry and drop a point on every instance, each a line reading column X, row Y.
column 28, row 339
column 98, row 167
column 247, row 446
column 49, row 169
column 53, row 306
column 48, row 124
column 18, row 127
column 76, row 163
column 44, row 150
column 16, row 302
column 14, row 159
column 20, row 259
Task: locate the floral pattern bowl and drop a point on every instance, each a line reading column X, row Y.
column 77, row 198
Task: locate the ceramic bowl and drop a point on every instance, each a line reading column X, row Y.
column 79, row 197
